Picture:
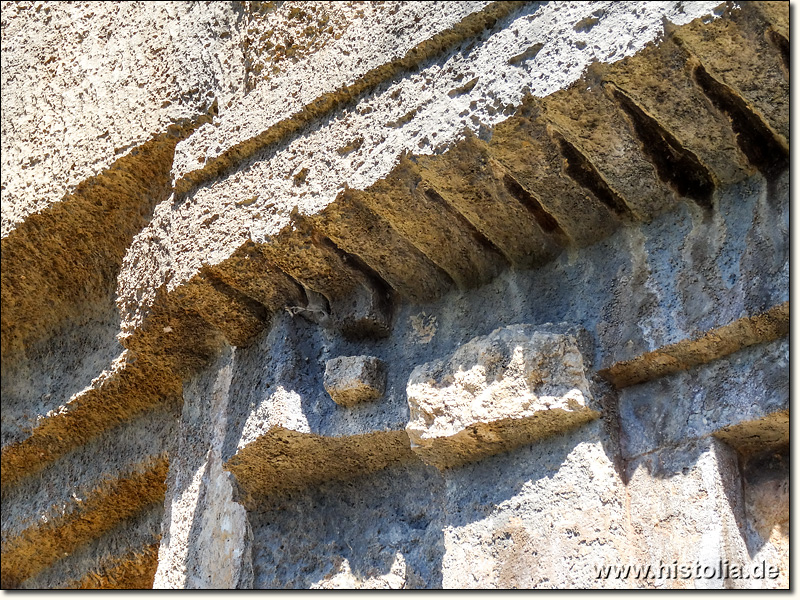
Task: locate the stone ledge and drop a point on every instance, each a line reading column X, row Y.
column 284, row 460
column 770, row 432
column 722, row 396
column 480, row 187
column 33, row 549
column 124, row 557
column 119, row 394
column 711, row 345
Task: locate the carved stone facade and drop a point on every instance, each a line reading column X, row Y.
column 395, row 295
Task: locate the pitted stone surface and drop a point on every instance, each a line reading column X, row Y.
column 313, row 180
column 496, row 392
column 354, row 379
column 256, row 188
column 84, row 65
column 718, row 396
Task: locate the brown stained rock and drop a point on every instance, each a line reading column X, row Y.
column 250, row 272
column 768, row 433
column 351, row 380
column 299, row 252
column 434, row 228
column 236, row 315
column 659, row 80
column 134, row 570
column 776, row 13
column 284, row 460
column 737, row 52
column 71, row 252
column 173, row 336
column 471, row 180
column 360, row 232
column 524, row 146
column 124, row 557
column 126, row 390
column 712, row 345
column 495, row 393
column 117, row 499
column 589, row 120
column 537, row 180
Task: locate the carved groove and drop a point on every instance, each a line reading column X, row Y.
column 755, row 139
column 544, row 219
column 782, row 44
column 480, row 239
column 253, row 306
column 675, row 165
column 583, row 171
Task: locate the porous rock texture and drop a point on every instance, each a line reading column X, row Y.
column 537, row 250
column 495, row 393
column 353, row 379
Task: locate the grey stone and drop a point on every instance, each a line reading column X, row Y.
column 743, row 387
column 193, row 216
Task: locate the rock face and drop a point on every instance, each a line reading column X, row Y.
column 395, row 295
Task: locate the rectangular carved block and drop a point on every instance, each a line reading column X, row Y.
column 354, row 379
column 495, row 393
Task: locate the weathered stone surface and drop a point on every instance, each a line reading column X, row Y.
column 726, row 394
column 767, row 502
column 542, row 516
column 656, row 91
column 256, row 196
column 70, row 71
column 84, row 494
column 353, row 379
column 687, row 504
column 125, row 557
column 589, row 120
column 770, row 432
column 714, row 344
column 214, row 553
column 283, row 460
column 379, row 531
column 497, row 392
column 743, row 38
column 434, row 228
column 248, row 191
column 115, row 396
column 285, row 433
column 354, row 53
column 537, row 174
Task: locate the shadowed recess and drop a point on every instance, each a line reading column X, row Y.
column 584, row 172
column 675, row 165
column 757, row 142
column 544, row 219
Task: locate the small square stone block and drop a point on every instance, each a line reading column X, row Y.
column 353, row 379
